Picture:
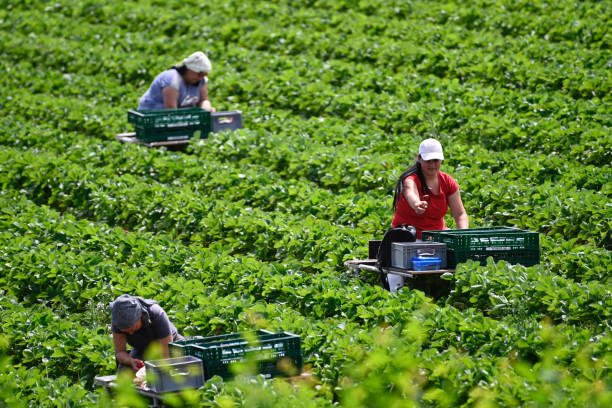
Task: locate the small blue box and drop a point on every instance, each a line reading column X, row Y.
column 425, row 264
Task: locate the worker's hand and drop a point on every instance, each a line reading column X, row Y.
column 420, row 207
column 136, row 364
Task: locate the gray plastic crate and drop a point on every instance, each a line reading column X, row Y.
column 403, row 252
column 225, row 120
column 172, row 374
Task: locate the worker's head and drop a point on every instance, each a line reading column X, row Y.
column 126, row 311
column 430, row 156
column 198, row 62
column 194, row 68
column 431, row 149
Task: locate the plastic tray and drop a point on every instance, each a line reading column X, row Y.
column 425, row 264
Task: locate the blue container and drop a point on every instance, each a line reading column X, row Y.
column 425, row 264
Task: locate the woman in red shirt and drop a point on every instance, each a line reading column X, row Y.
column 423, row 193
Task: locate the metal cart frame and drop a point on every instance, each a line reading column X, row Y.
column 130, row 137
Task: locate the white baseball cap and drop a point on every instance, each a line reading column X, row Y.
column 198, row 62
column 431, row 149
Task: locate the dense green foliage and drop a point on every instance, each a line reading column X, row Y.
column 251, row 229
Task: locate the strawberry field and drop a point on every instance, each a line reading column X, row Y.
column 251, row 229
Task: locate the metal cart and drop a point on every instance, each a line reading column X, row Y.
column 109, row 383
column 426, row 281
column 130, row 137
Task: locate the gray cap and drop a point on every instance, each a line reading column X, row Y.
column 125, row 311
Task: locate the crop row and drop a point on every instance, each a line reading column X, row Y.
column 61, row 113
column 66, row 356
column 487, row 16
column 136, row 203
column 322, row 167
column 445, row 377
column 288, row 149
column 255, row 185
column 293, row 155
column 492, row 197
column 499, row 204
column 510, row 290
column 322, row 21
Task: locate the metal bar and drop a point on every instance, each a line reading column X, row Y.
column 368, row 267
column 406, row 272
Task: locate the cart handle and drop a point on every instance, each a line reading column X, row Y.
column 368, row 267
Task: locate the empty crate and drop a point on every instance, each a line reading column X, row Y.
column 403, row 252
column 225, row 120
column 174, row 374
column 501, row 243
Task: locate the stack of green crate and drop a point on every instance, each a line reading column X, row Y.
column 501, row 243
column 169, row 124
column 276, row 354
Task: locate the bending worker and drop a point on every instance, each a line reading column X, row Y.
column 185, row 85
column 423, row 193
column 139, row 322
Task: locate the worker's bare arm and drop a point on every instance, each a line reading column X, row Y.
column 121, row 353
column 170, row 96
column 204, row 101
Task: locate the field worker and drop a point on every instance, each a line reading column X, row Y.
column 139, row 322
column 423, row 193
column 185, row 85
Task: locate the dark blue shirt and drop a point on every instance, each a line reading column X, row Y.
column 156, row 327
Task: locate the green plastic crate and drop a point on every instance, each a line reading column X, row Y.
column 432, row 235
column 218, row 352
column 162, row 125
column 501, row 243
